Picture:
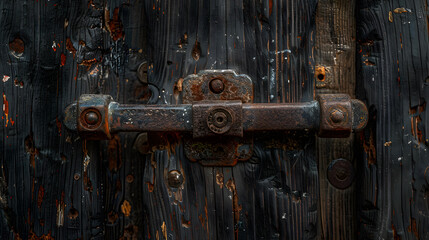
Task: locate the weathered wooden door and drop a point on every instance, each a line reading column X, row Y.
column 56, row 184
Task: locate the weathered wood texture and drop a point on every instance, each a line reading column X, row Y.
column 55, row 185
column 335, row 73
column 393, row 70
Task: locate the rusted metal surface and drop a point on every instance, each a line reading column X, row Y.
column 216, row 113
column 217, row 118
column 92, row 113
column 333, row 115
column 219, row 151
column 217, row 85
column 175, row 178
column 141, row 118
column 214, row 129
column 218, row 97
column 341, row 173
column 273, row 116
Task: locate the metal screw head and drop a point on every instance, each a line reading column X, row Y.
column 216, row 85
column 337, row 116
column 175, row 178
column 340, row 173
column 219, row 120
column 91, row 118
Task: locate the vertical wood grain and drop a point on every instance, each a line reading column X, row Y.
column 393, row 65
column 335, row 53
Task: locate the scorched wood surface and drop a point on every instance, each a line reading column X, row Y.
column 56, row 185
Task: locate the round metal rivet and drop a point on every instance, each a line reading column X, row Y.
column 341, row 173
column 337, row 116
column 216, row 85
column 91, row 118
column 175, row 179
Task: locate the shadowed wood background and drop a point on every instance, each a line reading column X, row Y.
column 55, row 185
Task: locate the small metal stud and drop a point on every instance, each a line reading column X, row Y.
column 217, row 86
column 175, row 178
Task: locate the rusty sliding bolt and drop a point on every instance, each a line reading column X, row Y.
column 331, row 115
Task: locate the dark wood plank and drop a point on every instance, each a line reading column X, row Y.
column 60, row 186
column 393, row 68
column 335, row 55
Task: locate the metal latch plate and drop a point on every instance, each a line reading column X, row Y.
column 217, row 125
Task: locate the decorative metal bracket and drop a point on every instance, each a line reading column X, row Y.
column 217, row 111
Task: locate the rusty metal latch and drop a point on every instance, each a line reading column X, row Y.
column 216, row 103
column 98, row 117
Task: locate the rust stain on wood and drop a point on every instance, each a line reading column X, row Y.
column 5, row 109
column 236, row 208
column 114, row 25
column 369, row 63
column 114, row 154
column 30, row 149
column 164, row 230
column 130, row 232
column 400, row 10
column 112, row 216
column 40, row 195
column 17, row 47
column 63, row 59
column 219, row 179
column 370, row 150
column 33, row 236
column 395, row 233
column 70, row 47
column 88, row 63
column 126, row 208
column 196, row 51
column 413, row 228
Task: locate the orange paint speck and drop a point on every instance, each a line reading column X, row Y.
column 6, row 108
column 63, row 59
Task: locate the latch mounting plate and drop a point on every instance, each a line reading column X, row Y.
column 217, row 97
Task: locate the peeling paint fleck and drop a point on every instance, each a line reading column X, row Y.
column 164, row 230
column 219, row 179
column 126, row 208
column 6, row 109
column 390, row 16
column 5, row 78
column 63, row 59
column 114, row 26
column 70, row 47
column 401, row 10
